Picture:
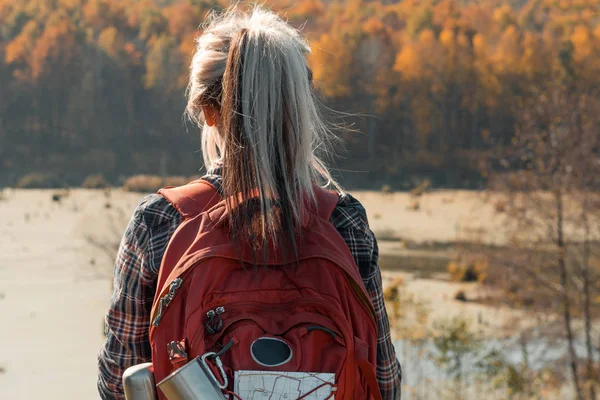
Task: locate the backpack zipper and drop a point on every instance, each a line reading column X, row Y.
column 363, row 300
column 166, row 300
column 255, row 304
column 357, row 290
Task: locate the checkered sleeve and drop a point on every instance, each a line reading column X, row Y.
column 136, row 273
column 351, row 222
column 134, row 284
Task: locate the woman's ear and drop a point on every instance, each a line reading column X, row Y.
column 211, row 114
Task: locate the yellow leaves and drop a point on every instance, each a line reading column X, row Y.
column 463, row 40
column 160, row 61
column 420, row 19
column 94, row 11
column 597, row 33
column 181, row 20
column 510, row 35
column 111, row 41
column 330, row 66
column 132, row 53
column 508, row 51
column 504, row 16
column 72, row 4
column 479, row 43
column 57, row 43
column 187, row 46
column 308, row 8
column 373, row 26
column 426, row 38
column 22, row 46
column 587, row 16
column 37, row 45
column 582, row 43
column 447, row 38
column 564, row 4
column 408, row 63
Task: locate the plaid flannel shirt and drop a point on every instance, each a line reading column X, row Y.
column 136, row 273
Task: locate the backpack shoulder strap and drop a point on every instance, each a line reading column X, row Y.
column 192, row 199
column 327, row 200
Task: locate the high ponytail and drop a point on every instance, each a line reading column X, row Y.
column 270, row 127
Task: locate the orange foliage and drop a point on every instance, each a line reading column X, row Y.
column 440, row 75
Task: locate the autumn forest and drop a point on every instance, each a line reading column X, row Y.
column 419, row 89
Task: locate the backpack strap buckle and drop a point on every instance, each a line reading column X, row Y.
column 177, row 353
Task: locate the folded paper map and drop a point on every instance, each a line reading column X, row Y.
column 270, row 385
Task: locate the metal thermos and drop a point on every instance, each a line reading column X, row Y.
column 138, row 382
column 193, row 381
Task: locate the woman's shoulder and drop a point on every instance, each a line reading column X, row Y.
column 350, row 220
column 154, row 211
column 350, row 214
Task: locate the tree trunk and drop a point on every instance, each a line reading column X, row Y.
column 566, row 302
column 585, row 274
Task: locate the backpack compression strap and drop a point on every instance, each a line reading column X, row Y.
column 192, row 199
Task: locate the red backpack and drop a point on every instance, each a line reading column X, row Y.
column 211, row 299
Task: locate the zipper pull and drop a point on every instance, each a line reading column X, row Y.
column 211, row 325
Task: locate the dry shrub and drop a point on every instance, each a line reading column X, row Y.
column 386, row 189
column 95, row 182
column 500, row 206
column 391, row 293
column 176, row 180
column 414, row 205
column 468, row 269
column 152, row 183
column 460, row 296
column 421, row 188
column 39, row 181
column 143, row 183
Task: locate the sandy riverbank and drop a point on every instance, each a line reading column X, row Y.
column 56, row 266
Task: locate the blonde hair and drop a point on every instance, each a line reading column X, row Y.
column 251, row 66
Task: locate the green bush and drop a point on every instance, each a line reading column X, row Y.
column 95, row 182
column 40, row 181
